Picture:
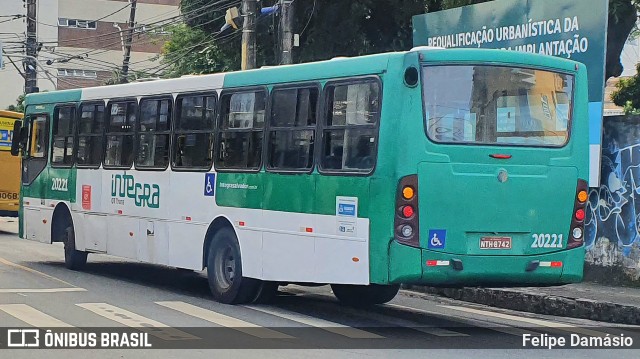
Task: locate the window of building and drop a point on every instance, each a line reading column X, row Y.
column 351, row 126
column 292, row 129
column 77, row 73
column 241, row 130
column 90, row 132
column 150, row 29
column 193, row 132
column 154, row 129
column 63, row 133
column 120, row 134
column 77, row 23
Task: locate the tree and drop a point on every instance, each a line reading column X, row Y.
column 19, row 106
column 627, row 93
column 331, row 28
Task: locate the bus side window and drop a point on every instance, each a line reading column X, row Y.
column 63, row 136
column 90, row 135
column 154, row 128
column 292, row 129
column 193, row 133
column 120, row 134
column 350, row 126
column 241, row 130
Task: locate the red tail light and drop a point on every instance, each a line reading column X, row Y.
column 576, row 233
column 406, row 218
column 407, row 211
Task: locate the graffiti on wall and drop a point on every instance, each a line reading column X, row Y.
column 613, row 211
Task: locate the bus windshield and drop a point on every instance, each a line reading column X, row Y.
column 497, row 105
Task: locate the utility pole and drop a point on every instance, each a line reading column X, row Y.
column 286, row 31
column 30, row 62
column 129, row 40
column 249, row 11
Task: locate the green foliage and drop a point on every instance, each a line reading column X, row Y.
column 330, row 28
column 19, row 106
column 194, row 51
column 627, row 93
column 366, row 27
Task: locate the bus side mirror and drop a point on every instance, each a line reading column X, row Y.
column 16, row 140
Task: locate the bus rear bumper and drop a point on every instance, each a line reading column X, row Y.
column 445, row 269
column 9, row 213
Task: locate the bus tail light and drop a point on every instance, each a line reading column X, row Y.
column 576, row 238
column 406, row 213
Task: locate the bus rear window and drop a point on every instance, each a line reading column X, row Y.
column 497, row 105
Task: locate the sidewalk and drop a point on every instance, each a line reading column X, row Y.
column 584, row 300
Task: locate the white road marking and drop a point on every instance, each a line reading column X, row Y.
column 32, row 316
column 538, row 322
column 332, row 327
column 440, row 332
column 42, row 290
column 494, row 326
column 33, row 271
column 225, row 321
column 134, row 320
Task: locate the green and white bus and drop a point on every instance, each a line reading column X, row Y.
column 432, row 166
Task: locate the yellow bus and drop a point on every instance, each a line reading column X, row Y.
column 9, row 167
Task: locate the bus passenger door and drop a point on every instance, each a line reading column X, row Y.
column 34, row 178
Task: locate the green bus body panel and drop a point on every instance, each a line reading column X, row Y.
column 486, row 270
column 51, row 98
column 42, row 187
column 337, row 68
column 242, row 190
column 484, row 207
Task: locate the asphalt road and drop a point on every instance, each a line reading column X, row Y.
column 174, row 308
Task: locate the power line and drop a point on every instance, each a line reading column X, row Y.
column 99, row 51
column 175, row 19
column 310, row 17
column 16, row 17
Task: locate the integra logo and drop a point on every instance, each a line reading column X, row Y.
column 143, row 194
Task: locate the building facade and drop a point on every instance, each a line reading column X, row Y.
column 83, row 41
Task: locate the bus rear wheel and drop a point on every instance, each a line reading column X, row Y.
column 364, row 295
column 73, row 259
column 224, row 270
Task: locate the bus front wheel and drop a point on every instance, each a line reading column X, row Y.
column 73, row 259
column 364, row 295
column 224, row 270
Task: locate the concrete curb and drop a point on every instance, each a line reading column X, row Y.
column 539, row 303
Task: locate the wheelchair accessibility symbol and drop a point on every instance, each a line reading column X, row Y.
column 209, row 184
column 437, row 238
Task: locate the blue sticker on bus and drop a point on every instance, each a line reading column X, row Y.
column 209, row 184
column 347, row 209
column 437, row 238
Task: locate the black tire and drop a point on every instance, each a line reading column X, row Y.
column 224, row 270
column 364, row 295
column 73, row 259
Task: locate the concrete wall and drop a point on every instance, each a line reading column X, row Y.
column 613, row 223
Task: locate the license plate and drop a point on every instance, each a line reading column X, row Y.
column 495, row 243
